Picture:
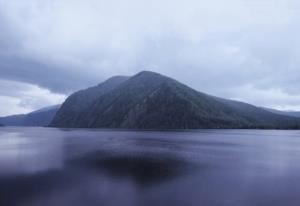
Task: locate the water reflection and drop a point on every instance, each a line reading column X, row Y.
column 29, row 154
column 17, row 190
column 141, row 168
column 40, row 166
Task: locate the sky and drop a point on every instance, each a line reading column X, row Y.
column 246, row 50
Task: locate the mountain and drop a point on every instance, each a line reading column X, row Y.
column 292, row 114
column 150, row 100
column 286, row 113
column 13, row 120
column 41, row 117
column 70, row 111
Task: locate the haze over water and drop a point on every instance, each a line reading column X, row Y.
column 44, row 166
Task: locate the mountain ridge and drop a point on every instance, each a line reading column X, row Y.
column 149, row 100
column 41, row 117
column 83, row 98
column 286, row 113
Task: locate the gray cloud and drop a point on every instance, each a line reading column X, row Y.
column 17, row 97
column 44, row 74
column 221, row 47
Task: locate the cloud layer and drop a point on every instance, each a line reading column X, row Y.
column 235, row 49
column 20, row 98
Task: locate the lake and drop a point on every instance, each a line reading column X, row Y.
column 61, row 167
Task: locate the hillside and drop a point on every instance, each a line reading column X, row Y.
column 286, row 113
column 68, row 115
column 41, row 117
column 152, row 101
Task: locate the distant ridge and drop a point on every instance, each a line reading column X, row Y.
column 41, row 117
column 286, row 113
column 150, row 100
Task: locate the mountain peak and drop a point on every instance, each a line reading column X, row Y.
column 146, row 72
column 149, row 100
column 115, row 79
column 149, row 74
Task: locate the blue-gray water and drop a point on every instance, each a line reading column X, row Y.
column 52, row 167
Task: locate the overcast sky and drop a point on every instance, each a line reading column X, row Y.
column 247, row 50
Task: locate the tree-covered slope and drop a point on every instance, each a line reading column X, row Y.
column 152, row 101
column 69, row 113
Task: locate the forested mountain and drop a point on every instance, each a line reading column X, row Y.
column 149, row 100
column 72, row 108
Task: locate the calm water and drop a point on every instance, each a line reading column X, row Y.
column 52, row 167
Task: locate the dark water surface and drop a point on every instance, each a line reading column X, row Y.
column 53, row 167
